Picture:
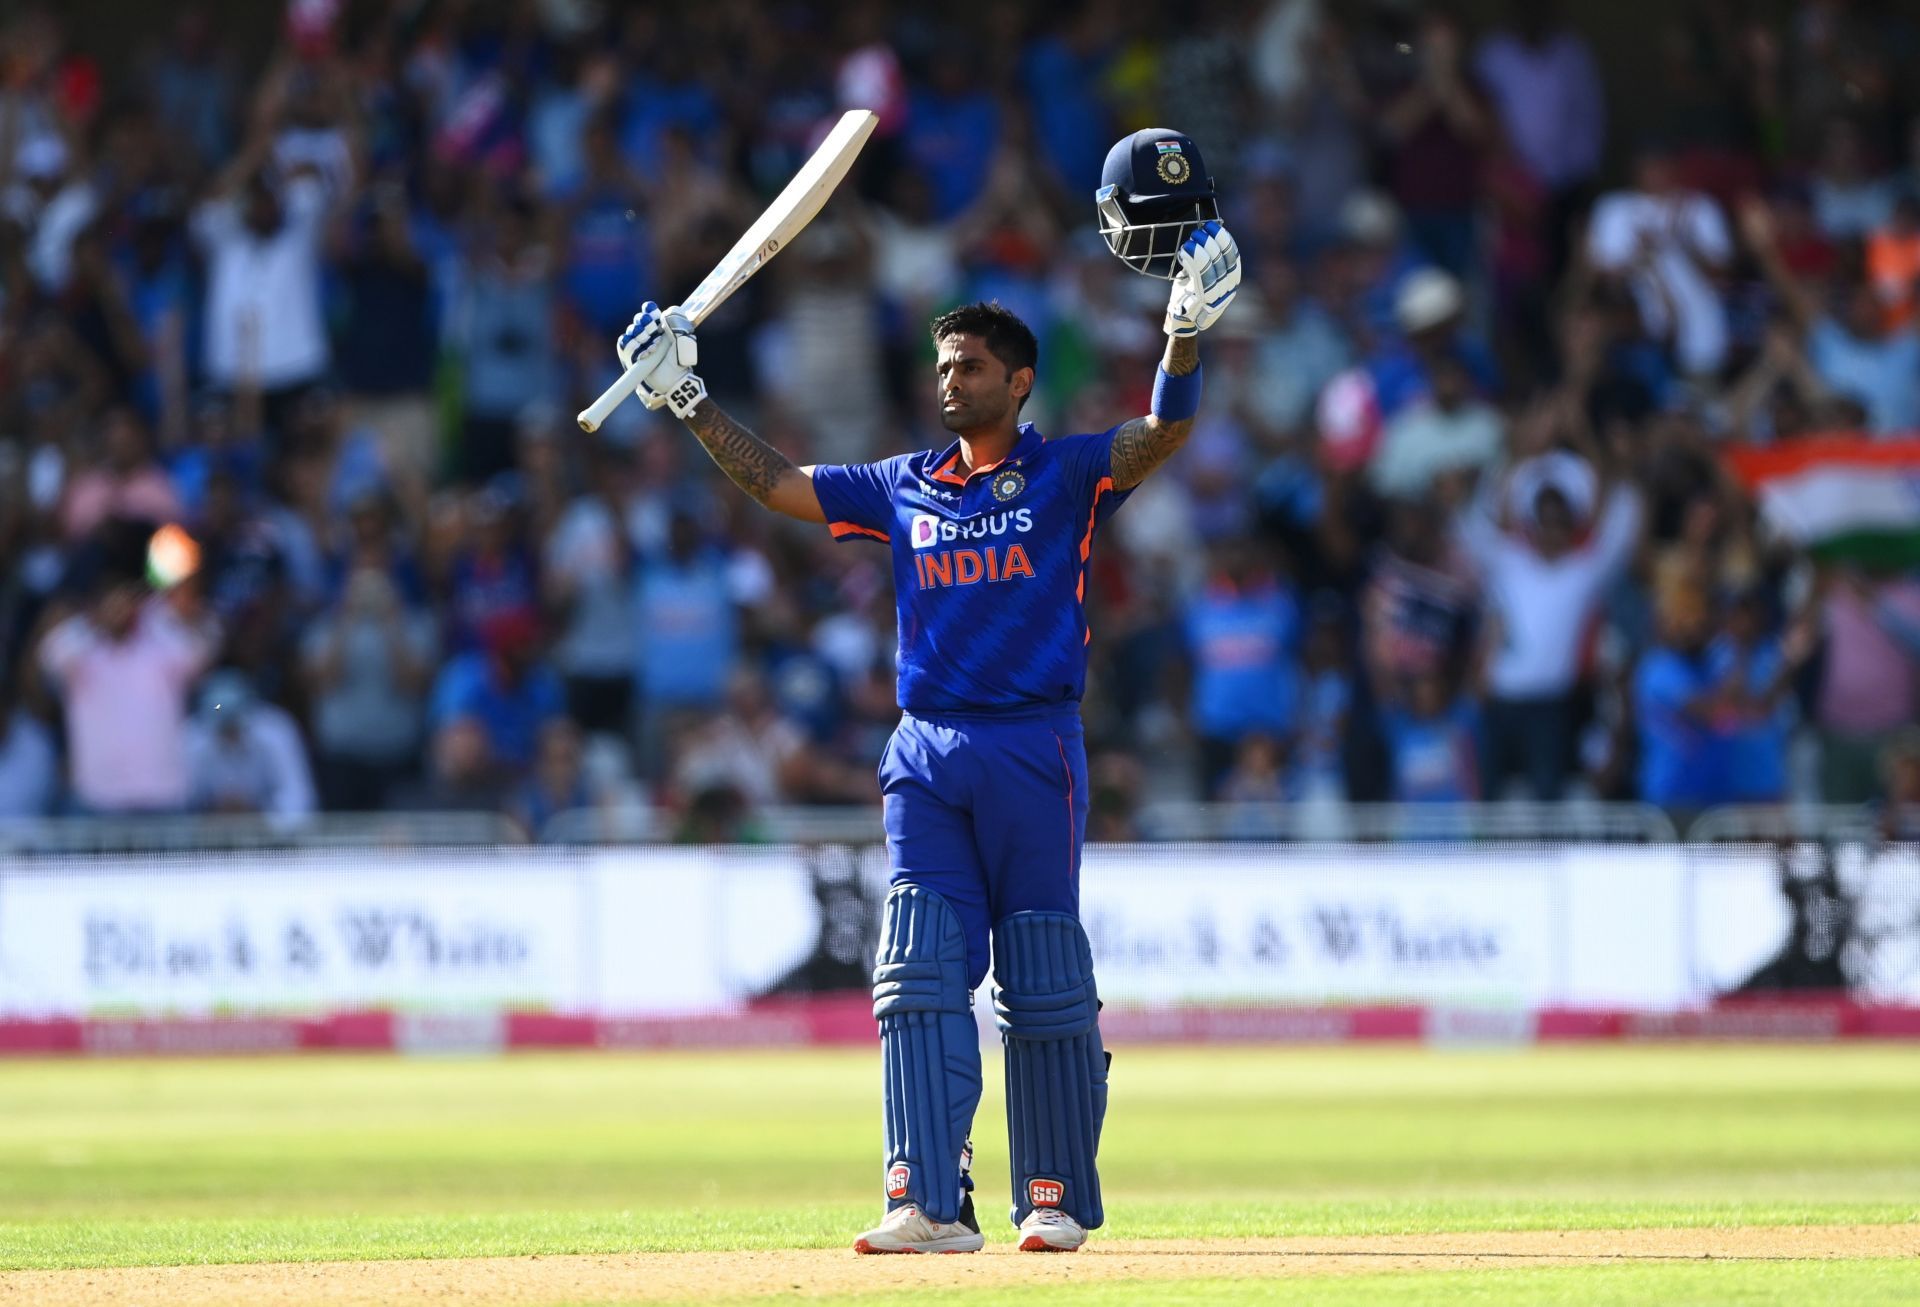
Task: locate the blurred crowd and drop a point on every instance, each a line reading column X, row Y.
column 1455, row 524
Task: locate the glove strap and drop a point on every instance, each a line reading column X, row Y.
column 686, row 395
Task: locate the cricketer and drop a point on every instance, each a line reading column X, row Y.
column 984, row 782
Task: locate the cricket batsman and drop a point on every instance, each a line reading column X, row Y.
column 984, row 782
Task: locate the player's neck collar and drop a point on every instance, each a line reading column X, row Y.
column 946, row 462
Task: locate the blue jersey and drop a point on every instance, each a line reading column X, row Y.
column 989, row 570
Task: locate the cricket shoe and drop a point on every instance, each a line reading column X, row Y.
column 908, row 1230
column 1050, row 1230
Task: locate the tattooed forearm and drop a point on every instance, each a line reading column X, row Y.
column 749, row 462
column 1145, row 443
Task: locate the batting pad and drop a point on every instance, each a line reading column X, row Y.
column 929, row 1049
column 1049, row 1018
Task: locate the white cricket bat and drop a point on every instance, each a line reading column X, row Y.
column 771, row 232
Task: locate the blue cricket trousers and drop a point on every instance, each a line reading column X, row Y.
column 988, row 811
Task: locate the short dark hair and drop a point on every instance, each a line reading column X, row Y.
column 1007, row 338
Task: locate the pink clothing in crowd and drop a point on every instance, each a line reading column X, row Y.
column 1868, row 682
column 126, row 707
column 96, row 495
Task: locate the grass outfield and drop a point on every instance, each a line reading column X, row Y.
column 165, row 1162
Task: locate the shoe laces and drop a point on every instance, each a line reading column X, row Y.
column 1049, row 1216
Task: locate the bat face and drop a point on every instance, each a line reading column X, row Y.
column 771, row 232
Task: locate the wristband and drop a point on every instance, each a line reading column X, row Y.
column 1176, row 399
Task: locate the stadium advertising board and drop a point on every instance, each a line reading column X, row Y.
column 669, row 932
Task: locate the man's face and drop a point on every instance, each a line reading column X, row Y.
column 977, row 390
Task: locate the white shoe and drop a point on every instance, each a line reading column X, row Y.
column 907, row 1230
column 1050, row 1230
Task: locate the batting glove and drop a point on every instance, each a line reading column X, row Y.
column 1207, row 281
column 661, row 342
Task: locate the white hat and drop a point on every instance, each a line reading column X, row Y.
column 1427, row 298
column 1369, row 218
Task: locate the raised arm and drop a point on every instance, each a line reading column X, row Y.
column 664, row 340
column 1207, row 280
column 1146, row 442
column 754, row 465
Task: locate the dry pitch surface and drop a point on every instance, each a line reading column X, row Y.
column 670, row 1277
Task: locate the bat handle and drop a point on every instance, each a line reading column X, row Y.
column 602, row 408
column 597, row 412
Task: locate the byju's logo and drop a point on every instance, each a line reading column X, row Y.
column 928, row 530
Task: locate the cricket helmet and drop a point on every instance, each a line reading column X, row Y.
column 1154, row 190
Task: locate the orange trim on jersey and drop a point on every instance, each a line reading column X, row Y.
column 843, row 529
column 1104, row 487
column 945, row 472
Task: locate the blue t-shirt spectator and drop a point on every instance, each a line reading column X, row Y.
column 1435, row 759
column 1069, row 120
column 1318, row 768
column 1680, row 757
column 1400, row 375
column 686, row 630
column 952, row 139
column 511, row 709
column 1241, row 639
column 1755, row 769
column 1882, row 374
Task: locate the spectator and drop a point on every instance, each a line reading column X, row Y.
column 1317, row 768
column 504, row 687
column 685, row 629
column 1433, row 742
column 123, row 668
column 1546, row 89
column 1865, row 684
column 244, row 755
column 1544, row 585
column 1451, row 437
column 1853, row 352
column 586, row 580
column 29, row 763
column 1670, row 244
column 1241, row 631
column 1436, row 128
column 261, row 243
column 1893, row 262
column 558, row 782
column 368, row 663
column 502, row 328
column 1758, row 671
column 127, row 482
column 463, row 773
column 748, row 749
column 1678, row 704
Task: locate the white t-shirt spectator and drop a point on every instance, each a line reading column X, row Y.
column 254, row 764
column 584, row 555
column 1675, row 296
column 1544, row 605
column 1425, row 441
column 126, row 707
column 263, row 293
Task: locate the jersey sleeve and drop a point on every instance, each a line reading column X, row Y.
column 1087, row 462
column 857, row 498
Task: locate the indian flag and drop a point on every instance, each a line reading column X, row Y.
column 1841, row 497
